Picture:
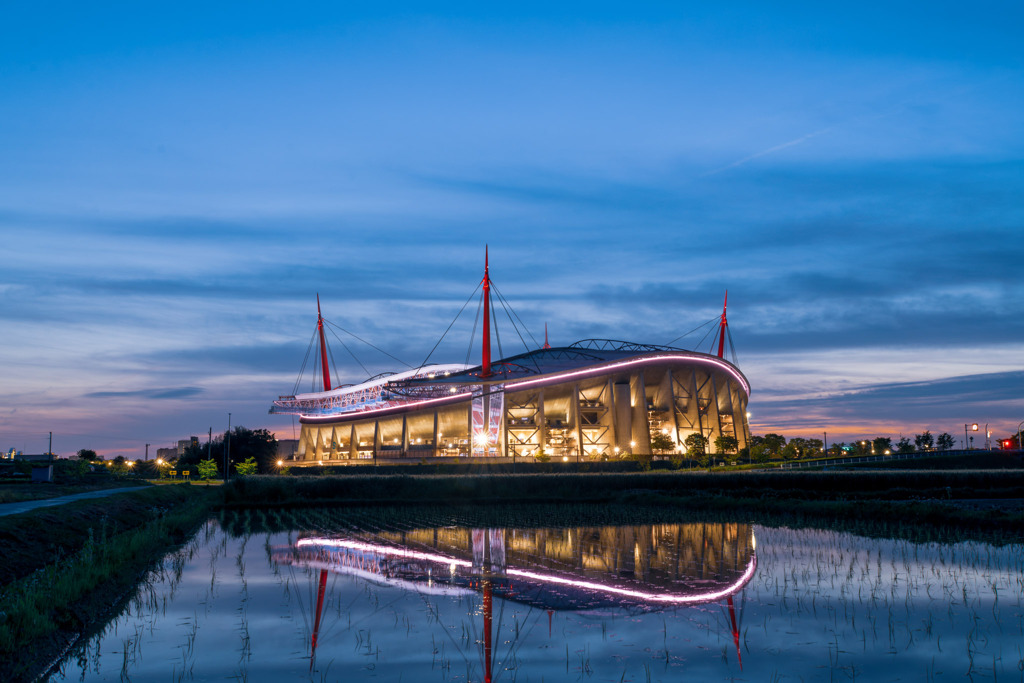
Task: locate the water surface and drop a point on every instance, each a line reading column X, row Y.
column 413, row 600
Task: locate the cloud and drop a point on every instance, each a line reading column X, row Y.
column 943, row 404
column 153, row 394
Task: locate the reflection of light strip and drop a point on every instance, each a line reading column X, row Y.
column 647, row 359
column 640, row 595
column 403, row 406
column 544, row 578
column 385, row 550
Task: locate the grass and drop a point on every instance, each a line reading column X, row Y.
column 790, row 485
column 97, row 552
column 872, row 503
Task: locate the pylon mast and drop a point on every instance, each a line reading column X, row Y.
column 722, row 328
column 323, row 346
column 485, row 366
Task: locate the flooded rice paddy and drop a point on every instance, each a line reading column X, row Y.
column 361, row 597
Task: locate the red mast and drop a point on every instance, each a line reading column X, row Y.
column 488, row 608
column 485, row 366
column 546, row 345
column 323, row 346
column 319, row 611
column 722, row 327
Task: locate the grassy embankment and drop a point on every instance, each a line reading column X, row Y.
column 872, row 502
column 66, row 567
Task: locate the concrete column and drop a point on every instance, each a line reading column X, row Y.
column 641, row 431
column 437, row 441
column 542, row 422
column 623, row 413
column 577, row 420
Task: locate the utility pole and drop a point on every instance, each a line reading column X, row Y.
column 227, row 450
column 826, row 442
column 147, row 451
column 209, row 444
column 49, row 450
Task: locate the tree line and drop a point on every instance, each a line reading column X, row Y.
column 251, row 451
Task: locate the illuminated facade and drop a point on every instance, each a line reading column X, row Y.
column 592, row 400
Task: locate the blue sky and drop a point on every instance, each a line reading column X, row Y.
column 177, row 182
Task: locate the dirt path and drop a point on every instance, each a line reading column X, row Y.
column 29, row 505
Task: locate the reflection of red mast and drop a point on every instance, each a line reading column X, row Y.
column 722, row 327
column 323, row 346
column 735, row 631
column 485, row 369
column 319, row 612
column 487, row 630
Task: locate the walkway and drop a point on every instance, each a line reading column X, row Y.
column 29, row 505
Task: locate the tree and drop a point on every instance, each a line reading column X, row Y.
column 945, row 441
column 836, row 448
column 882, row 444
column 259, row 444
column 904, row 445
column 146, row 469
column 696, row 448
column 726, row 444
column 815, row 446
column 799, row 447
column 246, row 468
column 924, row 441
column 695, row 445
column 662, row 442
column 774, row 443
column 207, row 469
column 790, row 452
column 759, row 453
column 87, row 454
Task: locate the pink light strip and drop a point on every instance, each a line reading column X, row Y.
column 385, row 550
column 640, row 595
column 728, row 367
column 354, row 414
column 544, row 578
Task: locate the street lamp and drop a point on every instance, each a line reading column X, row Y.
column 969, row 441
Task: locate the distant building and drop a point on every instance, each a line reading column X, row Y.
column 185, row 443
column 10, row 455
column 167, row 453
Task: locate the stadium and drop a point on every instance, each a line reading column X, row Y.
column 593, row 400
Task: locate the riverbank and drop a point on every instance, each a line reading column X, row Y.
column 980, row 504
column 66, row 567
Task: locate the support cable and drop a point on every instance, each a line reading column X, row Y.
column 497, row 335
column 305, row 359
column 375, row 348
column 511, row 312
column 425, row 360
column 713, row 320
column 350, row 352
column 732, row 347
column 476, row 321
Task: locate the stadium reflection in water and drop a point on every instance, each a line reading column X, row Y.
column 638, row 568
column 260, row 597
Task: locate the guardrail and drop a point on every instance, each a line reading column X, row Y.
column 858, row 459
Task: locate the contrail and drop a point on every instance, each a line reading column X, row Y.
column 765, row 152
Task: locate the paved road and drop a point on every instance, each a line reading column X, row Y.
column 28, row 505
